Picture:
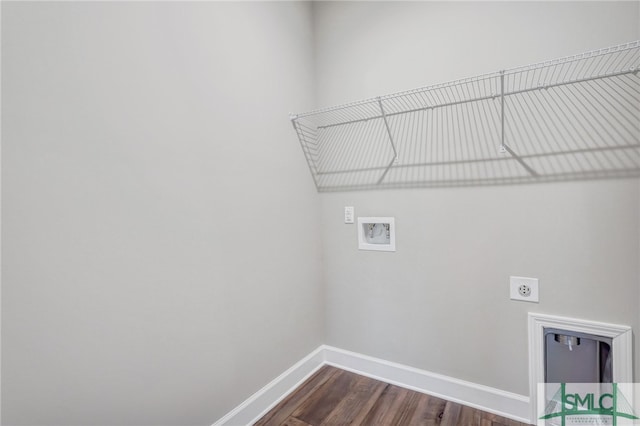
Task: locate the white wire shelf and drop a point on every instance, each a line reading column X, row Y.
column 566, row 119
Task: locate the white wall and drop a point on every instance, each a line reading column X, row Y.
column 140, row 140
column 441, row 301
column 160, row 239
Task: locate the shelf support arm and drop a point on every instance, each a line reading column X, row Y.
column 393, row 145
column 520, row 160
column 503, row 147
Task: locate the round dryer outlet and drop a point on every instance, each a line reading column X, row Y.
column 524, row 290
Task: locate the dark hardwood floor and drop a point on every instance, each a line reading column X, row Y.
column 337, row 397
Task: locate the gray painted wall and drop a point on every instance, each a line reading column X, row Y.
column 441, row 301
column 160, row 229
column 152, row 270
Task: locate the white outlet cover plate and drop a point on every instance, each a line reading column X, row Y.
column 348, row 214
column 516, row 282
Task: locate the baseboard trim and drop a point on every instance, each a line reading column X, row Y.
column 485, row 398
column 496, row 401
column 258, row 404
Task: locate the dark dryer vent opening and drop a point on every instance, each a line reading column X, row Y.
column 572, row 357
column 565, row 339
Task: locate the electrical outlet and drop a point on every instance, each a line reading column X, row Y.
column 348, row 214
column 523, row 288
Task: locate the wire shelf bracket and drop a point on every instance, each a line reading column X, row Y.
column 571, row 118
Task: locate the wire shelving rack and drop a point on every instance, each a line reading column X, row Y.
column 572, row 118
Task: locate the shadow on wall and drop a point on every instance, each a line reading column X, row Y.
column 575, row 118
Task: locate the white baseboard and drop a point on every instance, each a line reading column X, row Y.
column 269, row 396
column 484, row 398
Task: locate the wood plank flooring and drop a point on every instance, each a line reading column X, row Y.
column 337, row 397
